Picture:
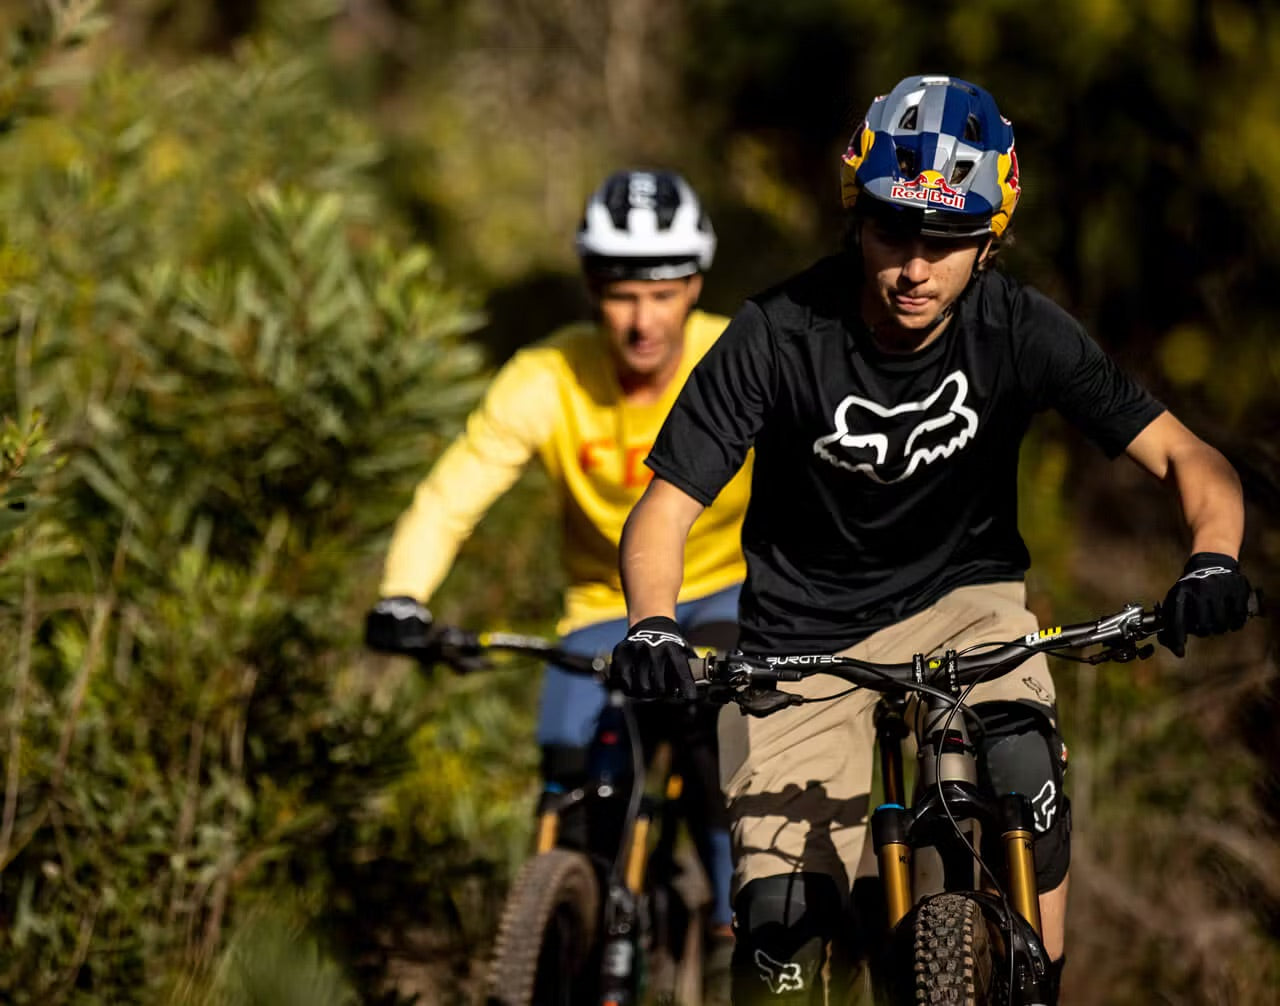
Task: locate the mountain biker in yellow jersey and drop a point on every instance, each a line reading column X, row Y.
column 886, row 391
column 589, row 400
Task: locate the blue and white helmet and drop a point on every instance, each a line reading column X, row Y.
column 645, row 225
column 936, row 153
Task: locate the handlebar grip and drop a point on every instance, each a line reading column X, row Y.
column 698, row 668
column 1255, row 602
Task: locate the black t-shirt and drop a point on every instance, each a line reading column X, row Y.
column 881, row 482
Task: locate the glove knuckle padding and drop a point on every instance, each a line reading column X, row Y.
column 656, row 648
column 1211, row 597
column 398, row 624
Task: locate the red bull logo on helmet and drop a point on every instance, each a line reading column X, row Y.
column 931, row 188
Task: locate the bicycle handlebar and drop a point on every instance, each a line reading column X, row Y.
column 463, row 650
column 1120, row 633
column 726, row 677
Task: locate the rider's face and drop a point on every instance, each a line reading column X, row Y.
column 911, row 279
column 644, row 320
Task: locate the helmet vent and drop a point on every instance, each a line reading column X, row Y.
column 617, row 200
column 666, row 200
column 972, row 129
column 907, row 163
column 961, row 171
column 909, row 118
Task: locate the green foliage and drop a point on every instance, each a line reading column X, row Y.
column 242, row 366
column 27, row 458
column 268, row 963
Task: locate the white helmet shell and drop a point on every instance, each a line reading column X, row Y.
column 645, row 225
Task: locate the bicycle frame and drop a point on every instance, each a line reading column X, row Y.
column 629, row 920
column 649, row 799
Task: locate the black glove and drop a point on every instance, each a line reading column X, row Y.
column 1211, row 597
column 652, row 662
column 399, row 625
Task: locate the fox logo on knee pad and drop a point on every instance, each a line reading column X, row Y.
column 778, row 976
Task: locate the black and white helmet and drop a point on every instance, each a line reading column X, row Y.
column 645, row 225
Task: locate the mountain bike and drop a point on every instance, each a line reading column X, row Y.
column 970, row 932
column 606, row 924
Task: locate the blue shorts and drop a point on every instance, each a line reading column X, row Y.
column 571, row 703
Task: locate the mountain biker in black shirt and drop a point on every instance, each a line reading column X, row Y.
column 886, row 391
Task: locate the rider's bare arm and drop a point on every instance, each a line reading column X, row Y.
column 652, row 550
column 1207, row 485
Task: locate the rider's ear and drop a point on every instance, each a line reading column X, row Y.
column 695, row 287
column 986, row 255
column 993, row 246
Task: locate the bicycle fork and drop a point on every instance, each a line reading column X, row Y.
column 947, row 777
column 624, row 919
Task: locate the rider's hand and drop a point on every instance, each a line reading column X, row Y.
column 652, row 662
column 398, row 625
column 1211, row 597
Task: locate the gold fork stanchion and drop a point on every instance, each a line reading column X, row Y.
column 1017, row 836
column 889, row 835
column 638, row 850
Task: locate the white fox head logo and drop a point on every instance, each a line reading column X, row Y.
column 653, row 637
column 778, row 976
column 1044, row 806
column 890, row 444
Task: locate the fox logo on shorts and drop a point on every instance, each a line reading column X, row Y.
column 778, row 976
column 889, row 444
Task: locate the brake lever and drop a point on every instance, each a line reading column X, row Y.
column 461, row 650
column 715, row 694
column 1122, row 654
column 761, row 702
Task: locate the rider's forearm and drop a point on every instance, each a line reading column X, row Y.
column 428, row 535
column 1207, row 486
column 479, row 466
column 651, row 554
column 1212, row 500
column 474, row 471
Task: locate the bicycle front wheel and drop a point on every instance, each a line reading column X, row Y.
column 548, row 934
column 951, row 952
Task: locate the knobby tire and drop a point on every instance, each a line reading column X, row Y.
column 952, row 954
column 547, row 937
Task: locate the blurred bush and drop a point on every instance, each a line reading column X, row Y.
column 242, row 364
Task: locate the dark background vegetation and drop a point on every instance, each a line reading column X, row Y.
column 256, row 259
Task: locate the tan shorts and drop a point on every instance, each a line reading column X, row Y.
column 798, row 782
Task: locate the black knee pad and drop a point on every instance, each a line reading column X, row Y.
column 783, row 924
column 1025, row 754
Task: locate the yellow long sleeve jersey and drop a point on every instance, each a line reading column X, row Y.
column 560, row 399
